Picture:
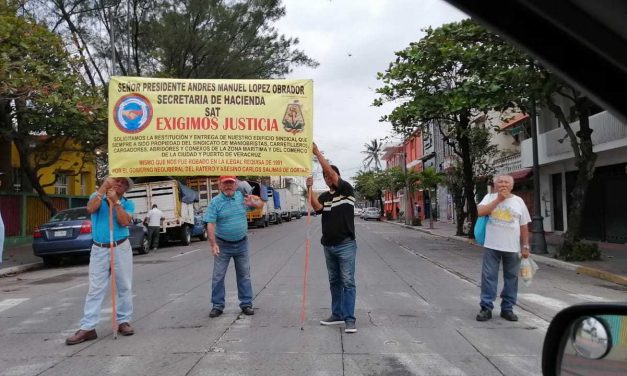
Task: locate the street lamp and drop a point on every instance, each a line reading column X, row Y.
column 538, row 242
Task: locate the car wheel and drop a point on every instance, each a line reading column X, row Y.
column 144, row 247
column 186, row 235
column 204, row 236
column 51, row 261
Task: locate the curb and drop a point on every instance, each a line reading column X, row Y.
column 20, row 268
column 585, row 270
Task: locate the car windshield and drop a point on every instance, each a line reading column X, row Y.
column 70, row 215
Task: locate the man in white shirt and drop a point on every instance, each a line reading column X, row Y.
column 153, row 220
column 506, row 235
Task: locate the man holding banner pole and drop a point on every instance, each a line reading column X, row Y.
column 110, row 193
column 338, row 239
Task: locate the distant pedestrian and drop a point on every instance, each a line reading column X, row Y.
column 153, row 221
column 337, row 207
column 506, row 235
column 1, row 227
column 227, row 227
column 112, row 189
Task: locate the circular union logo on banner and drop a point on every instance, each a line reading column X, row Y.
column 132, row 113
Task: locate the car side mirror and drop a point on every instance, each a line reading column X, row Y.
column 587, row 339
column 137, row 221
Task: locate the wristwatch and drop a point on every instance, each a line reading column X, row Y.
column 525, row 246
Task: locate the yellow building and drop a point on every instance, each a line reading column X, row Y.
column 69, row 175
column 68, row 182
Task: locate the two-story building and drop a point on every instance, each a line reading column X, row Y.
column 407, row 155
column 606, row 202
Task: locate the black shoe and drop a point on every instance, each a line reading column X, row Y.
column 350, row 327
column 248, row 311
column 332, row 320
column 215, row 312
column 484, row 315
column 509, row 316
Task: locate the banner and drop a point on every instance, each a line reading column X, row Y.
column 173, row 127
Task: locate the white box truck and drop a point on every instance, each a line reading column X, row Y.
column 176, row 201
column 290, row 204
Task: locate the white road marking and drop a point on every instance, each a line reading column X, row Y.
column 544, row 301
column 10, row 303
column 187, row 253
column 589, row 298
column 76, row 286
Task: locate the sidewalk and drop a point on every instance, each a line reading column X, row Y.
column 612, row 267
column 19, row 258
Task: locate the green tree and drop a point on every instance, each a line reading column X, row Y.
column 373, row 154
column 370, row 185
column 175, row 38
column 46, row 109
column 576, row 107
column 452, row 74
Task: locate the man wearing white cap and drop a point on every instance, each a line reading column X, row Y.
column 111, row 191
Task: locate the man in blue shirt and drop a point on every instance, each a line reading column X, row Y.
column 112, row 190
column 227, row 227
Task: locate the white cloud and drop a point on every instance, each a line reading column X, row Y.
column 353, row 40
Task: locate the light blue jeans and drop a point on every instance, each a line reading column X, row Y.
column 99, row 276
column 490, row 279
column 341, row 268
column 239, row 253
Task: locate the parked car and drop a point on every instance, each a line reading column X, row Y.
column 358, row 212
column 68, row 234
column 584, row 43
column 199, row 230
column 371, row 213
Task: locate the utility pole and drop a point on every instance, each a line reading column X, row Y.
column 538, row 241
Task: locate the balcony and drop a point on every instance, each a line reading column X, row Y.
column 608, row 134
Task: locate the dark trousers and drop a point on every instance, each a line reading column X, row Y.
column 153, row 236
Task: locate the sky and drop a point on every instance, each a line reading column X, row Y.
column 353, row 40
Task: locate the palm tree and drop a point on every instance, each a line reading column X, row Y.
column 373, row 151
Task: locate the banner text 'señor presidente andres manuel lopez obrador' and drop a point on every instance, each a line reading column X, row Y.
column 169, row 127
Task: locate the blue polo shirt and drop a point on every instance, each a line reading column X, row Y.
column 229, row 216
column 100, row 221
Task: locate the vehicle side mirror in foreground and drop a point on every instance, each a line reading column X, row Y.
column 587, row 339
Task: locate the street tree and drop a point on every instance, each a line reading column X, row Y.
column 429, row 179
column 451, row 75
column 174, row 38
column 46, row 109
column 574, row 106
column 370, row 185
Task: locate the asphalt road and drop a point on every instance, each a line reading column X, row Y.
column 417, row 297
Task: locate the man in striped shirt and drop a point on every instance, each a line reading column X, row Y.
column 227, row 227
column 337, row 207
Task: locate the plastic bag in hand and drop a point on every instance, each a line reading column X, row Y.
column 528, row 269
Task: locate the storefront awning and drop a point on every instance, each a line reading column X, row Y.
column 521, row 175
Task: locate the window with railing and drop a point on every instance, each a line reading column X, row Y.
column 61, row 184
column 84, row 180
